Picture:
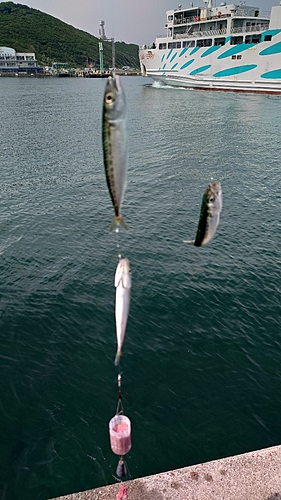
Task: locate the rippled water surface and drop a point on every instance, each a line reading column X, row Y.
column 201, row 364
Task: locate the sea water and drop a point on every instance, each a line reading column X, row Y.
column 202, row 354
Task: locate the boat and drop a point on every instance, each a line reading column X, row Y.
column 229, row 48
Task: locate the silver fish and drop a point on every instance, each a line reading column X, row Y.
column 209, row 216
column 115, row 144
column 123, row 285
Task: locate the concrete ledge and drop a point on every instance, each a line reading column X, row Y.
column 251, row 476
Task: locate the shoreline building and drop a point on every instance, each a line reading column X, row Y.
column 12, row 62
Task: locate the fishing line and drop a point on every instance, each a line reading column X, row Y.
column 117, row 238
column 120, row 408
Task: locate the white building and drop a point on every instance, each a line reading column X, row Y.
column 12, row 62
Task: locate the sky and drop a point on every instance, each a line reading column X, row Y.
column 130, row 21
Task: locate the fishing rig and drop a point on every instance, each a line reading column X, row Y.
column 120, row 424
column 116, row 170
column 120, row 432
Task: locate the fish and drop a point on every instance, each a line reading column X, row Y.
column 123, row 284
column 209, row 216
column 115, row 145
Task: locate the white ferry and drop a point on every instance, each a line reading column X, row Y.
column 230, row 47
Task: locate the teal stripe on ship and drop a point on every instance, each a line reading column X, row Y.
column 194, row 50
column 175, row 55
column 169, row 53
column 187, row 64
column 227, row 38
column 269, row 32
column 164, row 66
column 174, row 66
column 162, row 58
column 235, row 71
column 273, row 49
column 276, row 73
column 200, row 70
column 236, row 49
column 211, row 50
column 183, row 51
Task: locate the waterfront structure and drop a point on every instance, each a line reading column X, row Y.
column 102, row 35
column 230, row 47
column 15, row 63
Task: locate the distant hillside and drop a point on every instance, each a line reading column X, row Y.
column 30, row 30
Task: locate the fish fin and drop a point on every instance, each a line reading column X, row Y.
column 127, row 282
column 191, row 242
column 118, row 221
column 117, row 358
column 118, row 276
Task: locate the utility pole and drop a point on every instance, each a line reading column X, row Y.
column 101, row 57
column 113, row 53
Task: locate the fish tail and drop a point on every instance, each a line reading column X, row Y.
column 191, row 242
column 118, row 221
column 117, row 358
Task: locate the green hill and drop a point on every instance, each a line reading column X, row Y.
column 30, row 30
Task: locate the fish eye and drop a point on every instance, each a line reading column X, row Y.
column 109, row 98
column 212, row 198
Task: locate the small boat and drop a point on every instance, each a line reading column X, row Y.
column 230, row 47
column 97, row 74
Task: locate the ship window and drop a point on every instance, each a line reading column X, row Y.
column 174, row 45
column 170, row 18
column 207, row 42
column 252, row 39
column 239, row 56
column 162, row 46
column 236, row 40
column 233, row 57
column 219, row 41
column 267, row 38
column 188, row 43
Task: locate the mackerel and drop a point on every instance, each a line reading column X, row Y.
column 209, row 216
column 115, row 144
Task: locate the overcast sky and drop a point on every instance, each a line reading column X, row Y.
column 133, row 21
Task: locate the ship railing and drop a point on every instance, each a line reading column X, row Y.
column 196, row 19
column 187, row 20
column 266, row 13
column 249, row 29
column 241, row 12
column 199, row 34
column 144, row 47
column 238, row 12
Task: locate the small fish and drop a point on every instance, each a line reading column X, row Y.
column 123, row 285
column 209, row 215
column 115, row 144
